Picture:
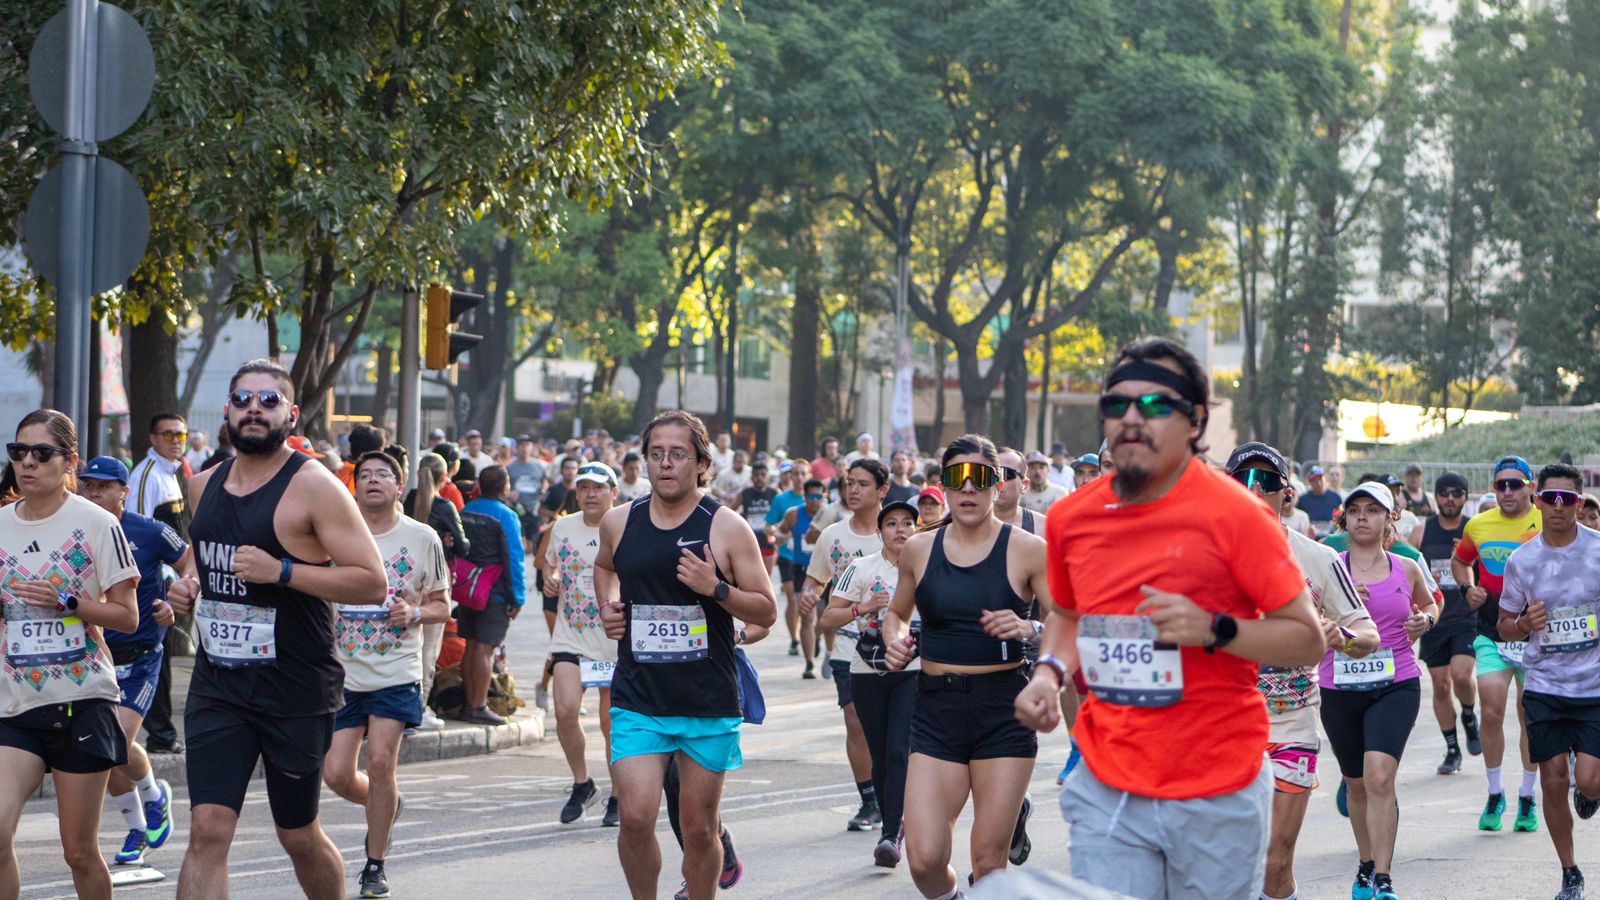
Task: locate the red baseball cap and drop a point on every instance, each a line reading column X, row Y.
column 302, row 444
column 933, row 492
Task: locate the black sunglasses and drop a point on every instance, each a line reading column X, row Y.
column 1506, row 485
column 41, row 452
column 1150, row 406
column 1009, row 474
column 267, row 399
column 1559, row 498
column 1269, row 482
column 1453, row 493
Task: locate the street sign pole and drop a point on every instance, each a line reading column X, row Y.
column 71, row 386
column 409, row 424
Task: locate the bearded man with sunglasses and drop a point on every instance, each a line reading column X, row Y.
column 1548, row 601
column 1447, row 648
column 273, row 537
column 1170, row 633
column 1479, row 566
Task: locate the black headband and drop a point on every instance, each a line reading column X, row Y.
column 1141, row 370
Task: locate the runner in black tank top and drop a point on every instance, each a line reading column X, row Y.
column 1447, row 648
column 673, row 571
column 973, row 580
column 266, row 683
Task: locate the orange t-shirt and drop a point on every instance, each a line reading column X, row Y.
column 1213, row 542
column 347, row 475
column 450, row 492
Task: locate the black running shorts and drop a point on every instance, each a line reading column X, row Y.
column 78, row 738
column 1362, row 721
column 488, row 626
column 226, row 740
column 1559, row 724
column 1440, row 646
column 960, row 718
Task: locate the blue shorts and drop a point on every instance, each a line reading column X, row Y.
column 401, row 702
column 712, row 743
column 137, row 680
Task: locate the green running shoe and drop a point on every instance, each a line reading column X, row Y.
column 1527, row 815
column 1490, row 819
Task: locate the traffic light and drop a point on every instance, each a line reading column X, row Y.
column 444, row 343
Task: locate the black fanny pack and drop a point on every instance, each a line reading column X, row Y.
column 127, row 654
column 871, row 648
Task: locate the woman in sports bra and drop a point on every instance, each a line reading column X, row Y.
column 972, row 580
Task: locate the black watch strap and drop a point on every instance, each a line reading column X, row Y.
column 1224, row 628
column 720, row 592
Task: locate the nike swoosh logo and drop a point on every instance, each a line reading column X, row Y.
column 83, row 738
column 684, row 543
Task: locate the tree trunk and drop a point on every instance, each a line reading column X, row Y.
column 803, row 347
column 650, row 368
column 975, row 390
column 1044, row 386
column 941, row 356
column 152, row 369
column 384, row 387
column 1014, row 427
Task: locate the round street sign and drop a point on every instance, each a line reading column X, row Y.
column 121, row 225
column 124, row 67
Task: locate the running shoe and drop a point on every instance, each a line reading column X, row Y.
column 1489, row 820
column 1073, row 759
column 1527, row 815
column 1452, row 762
column 810, row 672
column 158, row 816
column 1361, row 888
column 583, row 796
column 1474, row 745
column 132, row 852
column 1385, row 893
column 1571, row 885
column 1583, row 806
column 1021, row 845
column 430, row 721
column 794, row 648
column 612, row 817
column 683, row 891
column 888, row 852
column 1341, row 799
column 732, row 865
column 373, row 882
column 866, row 818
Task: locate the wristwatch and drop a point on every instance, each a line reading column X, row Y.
column 1050, row 661
column 720, row 592
column 1223, row 630
column 66, row 601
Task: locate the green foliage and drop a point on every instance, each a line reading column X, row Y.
column 608, row 411
column 1539, row 440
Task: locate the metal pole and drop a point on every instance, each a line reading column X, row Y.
column 408, row 424
column 71, row 385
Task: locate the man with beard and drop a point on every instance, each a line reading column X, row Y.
column 271, row 536
column 1170, row 633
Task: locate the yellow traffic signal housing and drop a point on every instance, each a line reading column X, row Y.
column 443, row 343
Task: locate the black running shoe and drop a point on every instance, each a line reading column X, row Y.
column 1571, row 885
column 810, row 673
column 612, row 818
column 583, row 796
column 1474, row 745
column 794, row 648
column 1021, row 845
column 373, row 882
column 1452, row 762
column 1583, row 806
column 866, row 818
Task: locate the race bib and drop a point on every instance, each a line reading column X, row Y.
column 669, row 634
column 237, row 635
column 1571, row 629
column 1366, row 674
column 596, row 673
column 1442, row 573
column 365, row 613
column 1124, row 664
column 45, row 642
column 1511, row 651
column 758, row 521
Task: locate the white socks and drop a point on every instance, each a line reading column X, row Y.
column 132, row 809
column 1494, row 780
column 1293, row 895
column 1528, row 779
column 149, row 791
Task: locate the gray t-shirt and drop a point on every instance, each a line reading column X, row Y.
column 1564, row 657
column 527, row 479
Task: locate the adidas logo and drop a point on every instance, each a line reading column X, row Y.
column 33, row 547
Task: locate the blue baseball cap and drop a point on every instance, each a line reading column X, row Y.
column 106, row 468
column 1515, row 462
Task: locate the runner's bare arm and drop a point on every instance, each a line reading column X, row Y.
column 356, row 576
column 838, row 615
column 1287, row 636
column 607, row 590
column 1037, row 705
column 897, row 648
column 117, row 610
column 435, row 608
column 750, row 597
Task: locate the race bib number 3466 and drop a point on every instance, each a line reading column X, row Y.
column 1124, row 664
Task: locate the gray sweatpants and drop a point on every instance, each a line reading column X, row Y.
column 1169, row 849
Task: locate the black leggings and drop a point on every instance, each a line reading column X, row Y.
column 1362, row 721
column 884, row 704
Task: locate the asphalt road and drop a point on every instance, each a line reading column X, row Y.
column 486, row 826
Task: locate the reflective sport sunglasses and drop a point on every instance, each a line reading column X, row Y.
column 1269, row 482
column 1150, row 406
column 267, row 399
column 982, row 476
column 41, row 452
column 1507, row 485
column 1559, row 498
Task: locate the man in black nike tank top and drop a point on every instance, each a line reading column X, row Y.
column 673, row 571
column 266, row 683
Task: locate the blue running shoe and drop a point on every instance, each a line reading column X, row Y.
column 1342, row 800
column 1362, row 888
column 132, row 852
column 158, row 816
column 1072, row 763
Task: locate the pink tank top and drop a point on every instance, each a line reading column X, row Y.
column 1390, row 606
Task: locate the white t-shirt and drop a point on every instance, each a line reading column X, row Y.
column 828, row 515
column 1297, row 521
column 838, row 546
column 730, row 483
column 862, row 578
column 374, row 653
column 1567, row 580
column 627, row 492
column 1040, row 501
column 480, row 460
column 83, row 550
column 570, row 555
column 721, row 459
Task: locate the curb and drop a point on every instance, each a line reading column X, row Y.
column 454, row 741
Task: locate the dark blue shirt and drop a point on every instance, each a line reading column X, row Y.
column 1319, row 508
column 153, row 543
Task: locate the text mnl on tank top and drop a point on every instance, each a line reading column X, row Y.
column 676, row 653
column 265, row 647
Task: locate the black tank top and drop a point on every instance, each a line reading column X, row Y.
column 1439, row 543
column 307, row 679
column 646, row 562
column 951, row 597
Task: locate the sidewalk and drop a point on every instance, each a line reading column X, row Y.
column 455, row 740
